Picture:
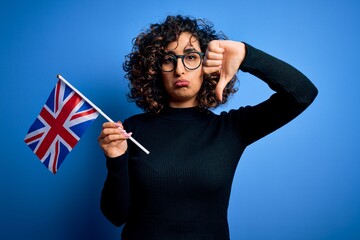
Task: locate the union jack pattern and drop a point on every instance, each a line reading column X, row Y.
column 59, row 126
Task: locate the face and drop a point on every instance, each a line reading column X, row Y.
column 182, row 84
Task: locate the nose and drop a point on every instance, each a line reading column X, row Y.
column 180, row 68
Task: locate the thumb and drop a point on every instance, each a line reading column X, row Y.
column 227, row 72
column 220, row 87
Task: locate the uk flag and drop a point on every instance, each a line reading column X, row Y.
column 59, row 126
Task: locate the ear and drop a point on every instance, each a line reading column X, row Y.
column 152, row 71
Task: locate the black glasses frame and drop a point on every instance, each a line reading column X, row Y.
column 175, row 57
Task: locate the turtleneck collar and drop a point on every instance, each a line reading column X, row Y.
column 183, row 114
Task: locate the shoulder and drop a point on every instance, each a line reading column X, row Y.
column 234, row 112
column 138, row 122
column 137, row 118
column 237, row 117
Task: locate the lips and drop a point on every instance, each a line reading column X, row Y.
column 181, row 83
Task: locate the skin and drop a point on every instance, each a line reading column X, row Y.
column 224, row 56
column 183, row 96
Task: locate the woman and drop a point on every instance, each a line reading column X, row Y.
column 178, row 70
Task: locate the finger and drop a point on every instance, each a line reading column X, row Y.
column 225, row 77
column 119, row 125
column 112, row 125
column 213, row 56
column 112, row 138
column 110, row 131
column 212, row 63
column 220, row 88
column 214, row 46
column 208, row 70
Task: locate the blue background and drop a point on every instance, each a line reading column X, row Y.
column 301, row 182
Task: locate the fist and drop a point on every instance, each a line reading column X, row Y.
column 224, row 56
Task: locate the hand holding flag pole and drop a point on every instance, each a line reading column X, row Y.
column 60, row 124
column 99, row 110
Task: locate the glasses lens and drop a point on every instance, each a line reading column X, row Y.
column 192, row 60
column 167, row 63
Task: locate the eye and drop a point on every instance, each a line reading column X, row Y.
column 193, row 56
column 167, row 59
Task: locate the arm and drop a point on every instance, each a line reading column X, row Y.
column 279, row 75
column 294, row 92
column 115, row 196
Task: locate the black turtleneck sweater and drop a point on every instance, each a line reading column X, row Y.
column 181, row 189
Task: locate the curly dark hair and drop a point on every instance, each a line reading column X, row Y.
column 144, row 74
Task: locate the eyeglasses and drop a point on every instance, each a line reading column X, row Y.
column 191, row 61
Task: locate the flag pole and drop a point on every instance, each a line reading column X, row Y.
column 99, row 110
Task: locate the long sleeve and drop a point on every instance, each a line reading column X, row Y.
column 294, row 92
column 182, row 188
column 115, row 196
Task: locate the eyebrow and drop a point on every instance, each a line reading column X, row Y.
column 192, row 49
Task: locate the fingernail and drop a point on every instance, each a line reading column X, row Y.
column 117, row 125
column 128, row 134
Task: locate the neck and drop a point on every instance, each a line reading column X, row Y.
column 182, row 114
column 187, row 104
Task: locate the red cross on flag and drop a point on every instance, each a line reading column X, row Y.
column 62, row 121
